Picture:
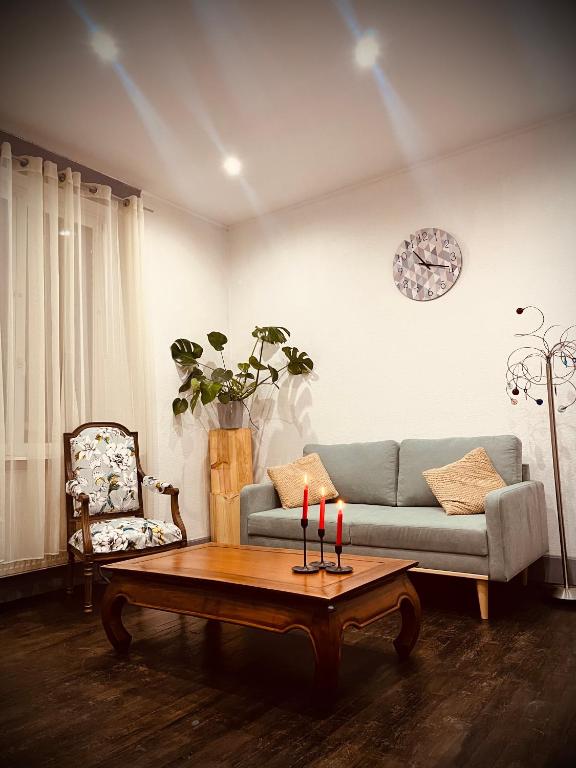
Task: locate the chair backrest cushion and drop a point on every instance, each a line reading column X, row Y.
column 505, row 452
column 363, row 473
column 103, row 461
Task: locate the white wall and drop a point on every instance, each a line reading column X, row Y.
column 388, row 367
column 186, row 296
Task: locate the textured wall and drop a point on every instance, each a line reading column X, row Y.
column 388, row 367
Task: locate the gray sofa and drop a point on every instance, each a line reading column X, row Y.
column 391, row 512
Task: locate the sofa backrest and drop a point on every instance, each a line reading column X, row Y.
column 415, row 456
column 363, row 473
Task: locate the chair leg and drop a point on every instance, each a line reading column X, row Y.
column 70, row 574
column 482, row 589
column 88, row 576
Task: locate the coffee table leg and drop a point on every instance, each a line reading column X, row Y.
column 326, row 633
column 411, row 614
column 111, row 611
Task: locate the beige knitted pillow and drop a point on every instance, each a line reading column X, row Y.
column 289, row 481
column 462, row 486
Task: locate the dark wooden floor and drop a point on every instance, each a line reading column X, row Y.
column 473, row 695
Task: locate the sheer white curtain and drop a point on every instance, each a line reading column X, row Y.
column 72, row 344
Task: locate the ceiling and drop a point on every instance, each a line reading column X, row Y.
column 275, row 83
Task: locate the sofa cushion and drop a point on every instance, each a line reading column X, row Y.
column 505, row 452
column 282, row 523
column 290, row 479
column 364, row 473
column 461, row 487
column 423, row 528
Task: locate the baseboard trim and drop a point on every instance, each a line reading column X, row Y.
column 549, row 570
column 44, row 580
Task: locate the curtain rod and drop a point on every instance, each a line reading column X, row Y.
column 23, row 160
column 21, row 147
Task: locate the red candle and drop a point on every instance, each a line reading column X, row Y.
column 339, row 524
column 322, row 510
column 305, row 500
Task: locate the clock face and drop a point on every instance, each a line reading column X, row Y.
column 427, row 264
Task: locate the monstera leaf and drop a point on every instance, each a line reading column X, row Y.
column 298, row 362
column 271, row 334
column 186, row 352
column 217, row 340
column 179, row 405
column 192, row 381
column 221, row 375
column 209, row 390
column 256, row 364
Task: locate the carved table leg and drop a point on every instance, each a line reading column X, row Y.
column 326, row 636
column 411, row 613
column 111, row 611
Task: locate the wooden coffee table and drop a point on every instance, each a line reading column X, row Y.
column 255, row 586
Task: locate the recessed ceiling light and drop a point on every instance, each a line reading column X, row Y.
column 367, row 50
column 104, row 45
column 232, row 166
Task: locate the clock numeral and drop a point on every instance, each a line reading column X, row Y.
column 405, row 283
column 404, row 254
column 446, row 243
column 400, row 270
column 442, row 285
column 453, row 268
column 453, row 257
column 430, row 293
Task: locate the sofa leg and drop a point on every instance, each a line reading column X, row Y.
column 525, row 577
column 482, row 589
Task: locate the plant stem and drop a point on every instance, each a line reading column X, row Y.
column 253, row 387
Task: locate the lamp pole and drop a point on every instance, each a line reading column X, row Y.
column 566, row 592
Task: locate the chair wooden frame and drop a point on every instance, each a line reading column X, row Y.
column 88, row 557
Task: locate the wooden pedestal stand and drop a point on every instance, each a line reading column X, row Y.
column 230, row 471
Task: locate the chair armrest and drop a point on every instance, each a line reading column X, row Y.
column 516, row 527
column 153, row 484
column 73, row 488
column 255, row 498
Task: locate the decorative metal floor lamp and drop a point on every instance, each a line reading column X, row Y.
column 551, row 365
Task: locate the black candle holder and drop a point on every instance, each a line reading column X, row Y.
column 322, row 563
column 305, row 568
column 339, row 568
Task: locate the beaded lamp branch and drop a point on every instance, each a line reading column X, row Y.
column 527, row 365
column 545, row 363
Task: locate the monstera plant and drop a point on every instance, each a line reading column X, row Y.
column 203, row 383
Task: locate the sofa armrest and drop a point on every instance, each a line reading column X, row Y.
column 255, row 498
column 516, row 527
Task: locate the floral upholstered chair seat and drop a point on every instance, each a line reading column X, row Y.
column 127, row 533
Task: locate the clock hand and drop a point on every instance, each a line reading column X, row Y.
column 445, row 266
column 418, row 257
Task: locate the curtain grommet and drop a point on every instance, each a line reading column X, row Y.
column 24, row 162
column 62, row 177
column 126, row 202
column 93, row 189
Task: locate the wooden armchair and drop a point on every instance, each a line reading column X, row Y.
column 104, row 509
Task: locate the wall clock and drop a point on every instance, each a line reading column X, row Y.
column 427, row 264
